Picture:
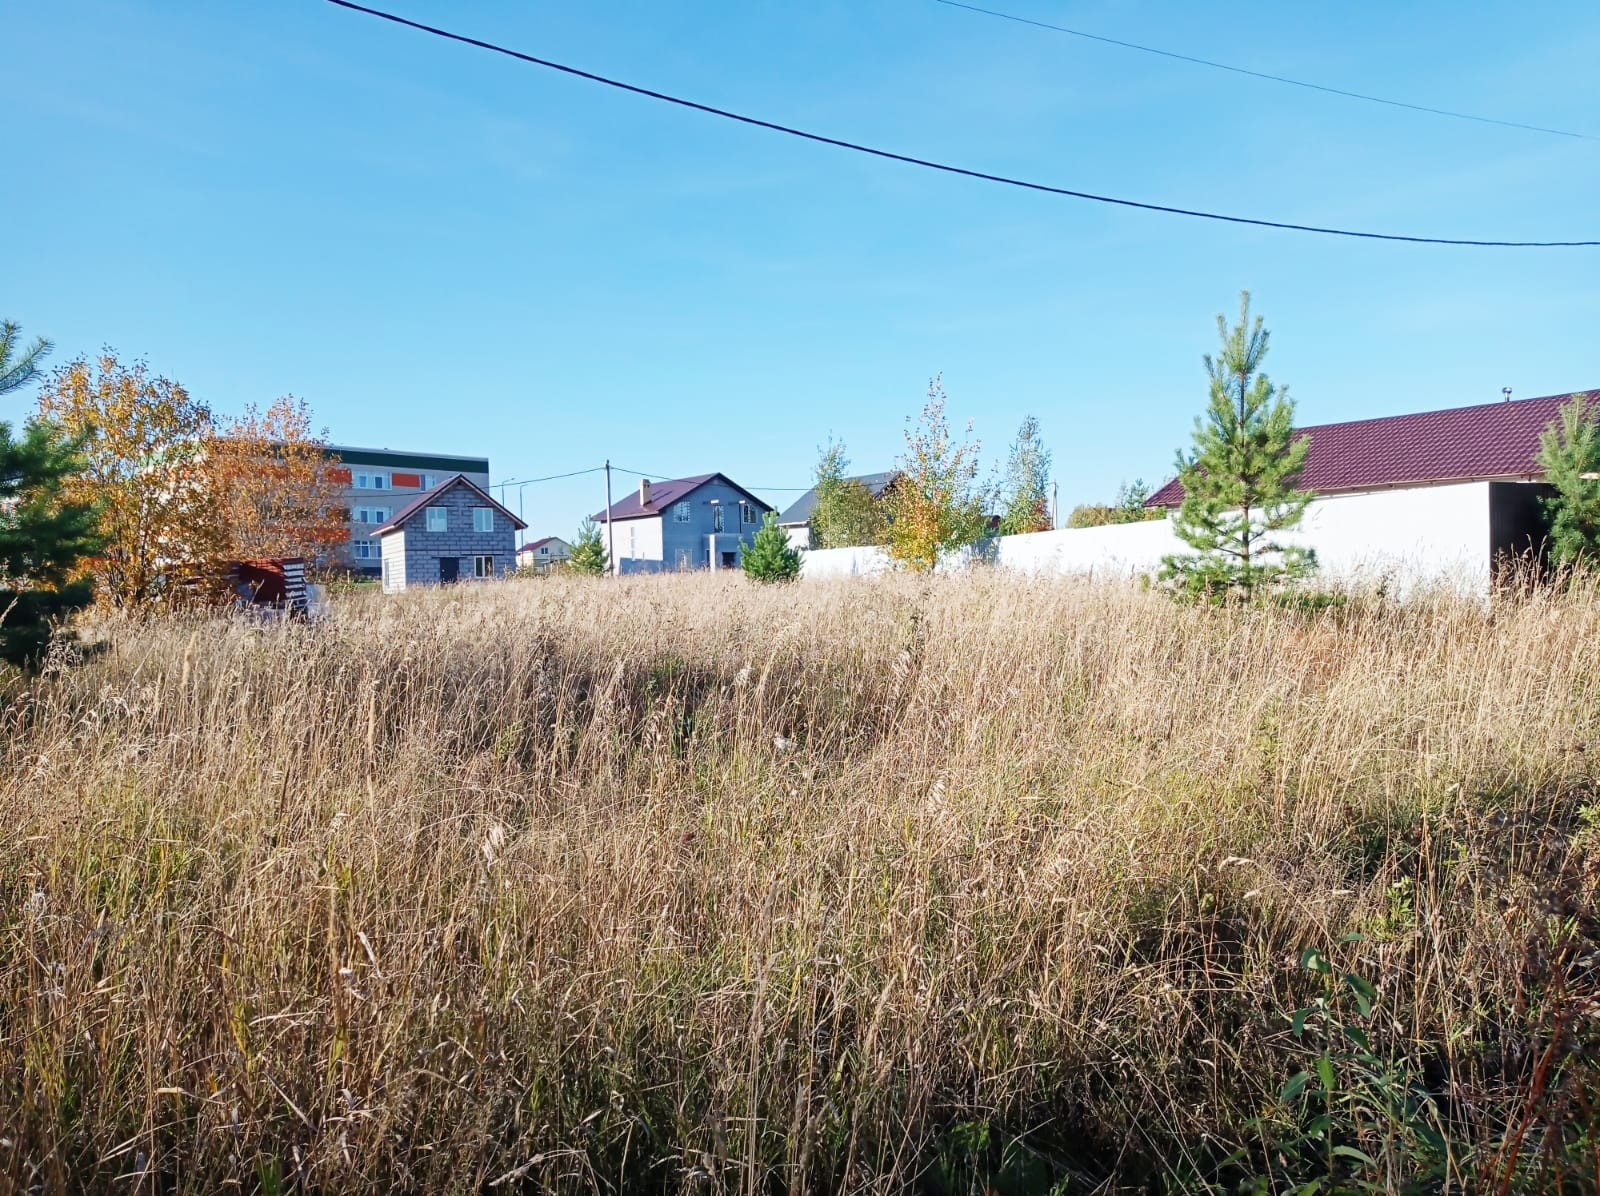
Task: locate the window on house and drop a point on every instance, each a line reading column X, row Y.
column 385, row 574
column 747, row 513
column 372, row 481
column 365, row 550
column 438, row 519
column 429, row 481
column 716, row 517
column 683, row 558
column 483, row 519
column 372, row 514
column 544, row 552
column 483, row 566
column 680, row 512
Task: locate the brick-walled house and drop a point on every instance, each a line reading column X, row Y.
column 454, row 532
column 378, row 482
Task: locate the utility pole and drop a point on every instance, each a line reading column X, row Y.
column 1055, row 505
column 611, row 526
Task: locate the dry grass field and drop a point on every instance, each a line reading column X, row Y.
column 967, row 885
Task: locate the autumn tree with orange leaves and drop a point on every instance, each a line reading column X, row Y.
column 937, row 504
column 178, row 495
column 274, row 484
column 143, row 440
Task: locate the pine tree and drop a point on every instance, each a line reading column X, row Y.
column 42, row 537
column 1569, row 454
column 770, row 556
column 589, row 551
column 1027, row 488
column 1239, row 481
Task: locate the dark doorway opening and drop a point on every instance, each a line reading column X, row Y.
column 730, row 560
column 1519, row 531
column 449, row 569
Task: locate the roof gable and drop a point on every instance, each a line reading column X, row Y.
column 664, row 493
column 799, row 511
column 1459, row 444
column 428, row 496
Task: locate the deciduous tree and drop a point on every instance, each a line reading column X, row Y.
column 274, row 485
column 1239, row 480
column 1027, row 486
column 143, row 440
column 846, row 513
column 937, row 504
column 770, row 557
column 1569, row 454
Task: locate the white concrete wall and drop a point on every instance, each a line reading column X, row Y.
column 1434, row 535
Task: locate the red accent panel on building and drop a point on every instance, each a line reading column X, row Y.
column 339, row 475
column 406, row 479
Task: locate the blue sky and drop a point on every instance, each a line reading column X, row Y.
column 445, row 250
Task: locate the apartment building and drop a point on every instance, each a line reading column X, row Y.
column 378, row 483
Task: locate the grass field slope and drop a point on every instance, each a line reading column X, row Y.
column 964, row 885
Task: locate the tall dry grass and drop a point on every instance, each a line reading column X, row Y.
column 681, row 884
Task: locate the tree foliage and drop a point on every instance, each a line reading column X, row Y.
column 846, row 512
column 1027, row 485
column 274, row 485
column 937, row 504
column 43, row 536
column 1127, row 507
column 1239, row 480
column 1569, row 454
column 589, row 550
column 143, row 441
column 770, row 556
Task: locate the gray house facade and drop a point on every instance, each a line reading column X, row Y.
column 701, row 522
column 454, row 532
column 379, row 482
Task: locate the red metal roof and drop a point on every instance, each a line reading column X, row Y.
column 664, row 494
column 1459, row 444
column 427, row 496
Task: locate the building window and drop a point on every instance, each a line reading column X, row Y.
column 385, row 574
column 372, row 481
column 483, row 519
column 746, row 513
column 483, row 566
column 429, row 481
column 372, row 514
column 716, row 517
column 365, row 550
column 438, row 519
column 544, row 551
column 680, row 512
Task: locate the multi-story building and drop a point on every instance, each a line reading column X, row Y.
column 379, row 482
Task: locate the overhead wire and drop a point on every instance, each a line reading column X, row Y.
column 1240, row 70
column 929, row 164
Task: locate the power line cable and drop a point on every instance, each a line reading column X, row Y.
column 639, row 473
column 1240, row 70
column 941, row 166
column 555, row 477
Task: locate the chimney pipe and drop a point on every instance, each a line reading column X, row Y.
column 1506, row 391
column 644, row 492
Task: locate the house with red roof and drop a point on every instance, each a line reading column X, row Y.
column 700, row 522
column 1459, row 477
column 543, row 554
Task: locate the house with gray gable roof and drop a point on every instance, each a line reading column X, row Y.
column 454, row 532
